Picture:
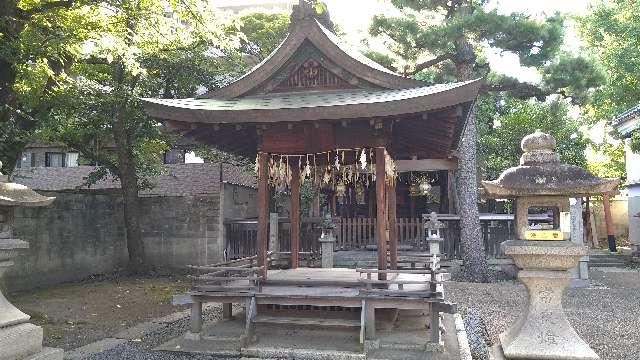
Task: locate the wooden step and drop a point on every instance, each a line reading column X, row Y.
column 306, row 321
column 395, row 281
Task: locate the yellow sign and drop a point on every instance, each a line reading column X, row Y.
column 543, row 235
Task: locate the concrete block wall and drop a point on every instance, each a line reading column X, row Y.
column 181, row 230
column 79, row 235
column 83, row 234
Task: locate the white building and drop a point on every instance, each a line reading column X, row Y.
column 625, row 124
column 248, row 6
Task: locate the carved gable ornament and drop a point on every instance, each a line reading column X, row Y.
column 311, row 75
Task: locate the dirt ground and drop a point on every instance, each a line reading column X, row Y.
column 74, row 315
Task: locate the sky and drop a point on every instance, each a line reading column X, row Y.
column 354, row 17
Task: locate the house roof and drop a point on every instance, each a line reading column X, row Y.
column 176, row 180
column 627, row 121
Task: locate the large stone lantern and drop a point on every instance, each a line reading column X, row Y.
column 19, row 339
column 542, row 252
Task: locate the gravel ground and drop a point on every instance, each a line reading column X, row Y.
column 604, row 314
column 142, row 350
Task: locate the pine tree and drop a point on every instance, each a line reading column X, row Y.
column 452, row 35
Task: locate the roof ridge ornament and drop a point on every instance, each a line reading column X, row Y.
column 312, row 10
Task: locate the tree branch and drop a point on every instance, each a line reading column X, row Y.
column 93, row 60
column 516, row 88
column 430, row 63
column 26, row 14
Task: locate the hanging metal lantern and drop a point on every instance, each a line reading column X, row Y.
column 424, row 187
column 420, row 186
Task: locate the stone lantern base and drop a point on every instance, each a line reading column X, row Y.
column 326, row 249
column 543, row 331
column 24, row 342
column 19, row 339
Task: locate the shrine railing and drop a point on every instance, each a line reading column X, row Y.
column 359, row 233
column 240, row 238
column 310, row 231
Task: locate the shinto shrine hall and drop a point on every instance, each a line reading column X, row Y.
column 315, row 111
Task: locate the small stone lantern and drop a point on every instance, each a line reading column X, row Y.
column 544, row 253
column 432, row 228
column 433, row 237
column 19, row 339
column 327, row 240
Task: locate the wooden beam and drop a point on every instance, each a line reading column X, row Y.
column 426, row 165
column 295, row 215
column 393, row 231
column 262, row 205
column 381, row 216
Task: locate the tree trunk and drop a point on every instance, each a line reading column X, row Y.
column 127, row 173
column 10, row 28
column 475, row 261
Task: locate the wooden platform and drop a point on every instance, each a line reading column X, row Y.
column 325, row 282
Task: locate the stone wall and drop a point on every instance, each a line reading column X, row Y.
column 83, row 234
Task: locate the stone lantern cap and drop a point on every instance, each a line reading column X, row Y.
column 12, row 194
column 541, row 173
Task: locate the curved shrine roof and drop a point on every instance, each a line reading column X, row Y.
column 307, row 84
column 314, row 105
column 331, row 53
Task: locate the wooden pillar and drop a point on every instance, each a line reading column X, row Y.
column 435, row 324
column 196, row 317
column 393, row 231
column 295, row 216
column 381, row 216
column 227, row 311
column 451, row 194
column 370, row 321
column 611, row 236
column 262, row 205
column 412, row 207
column 443, row 182
column 333, row 204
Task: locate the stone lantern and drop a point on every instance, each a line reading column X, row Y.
column 433, row 237
column 327, row 240
column 19, row 339
column 432, row 228
column 544, row 253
